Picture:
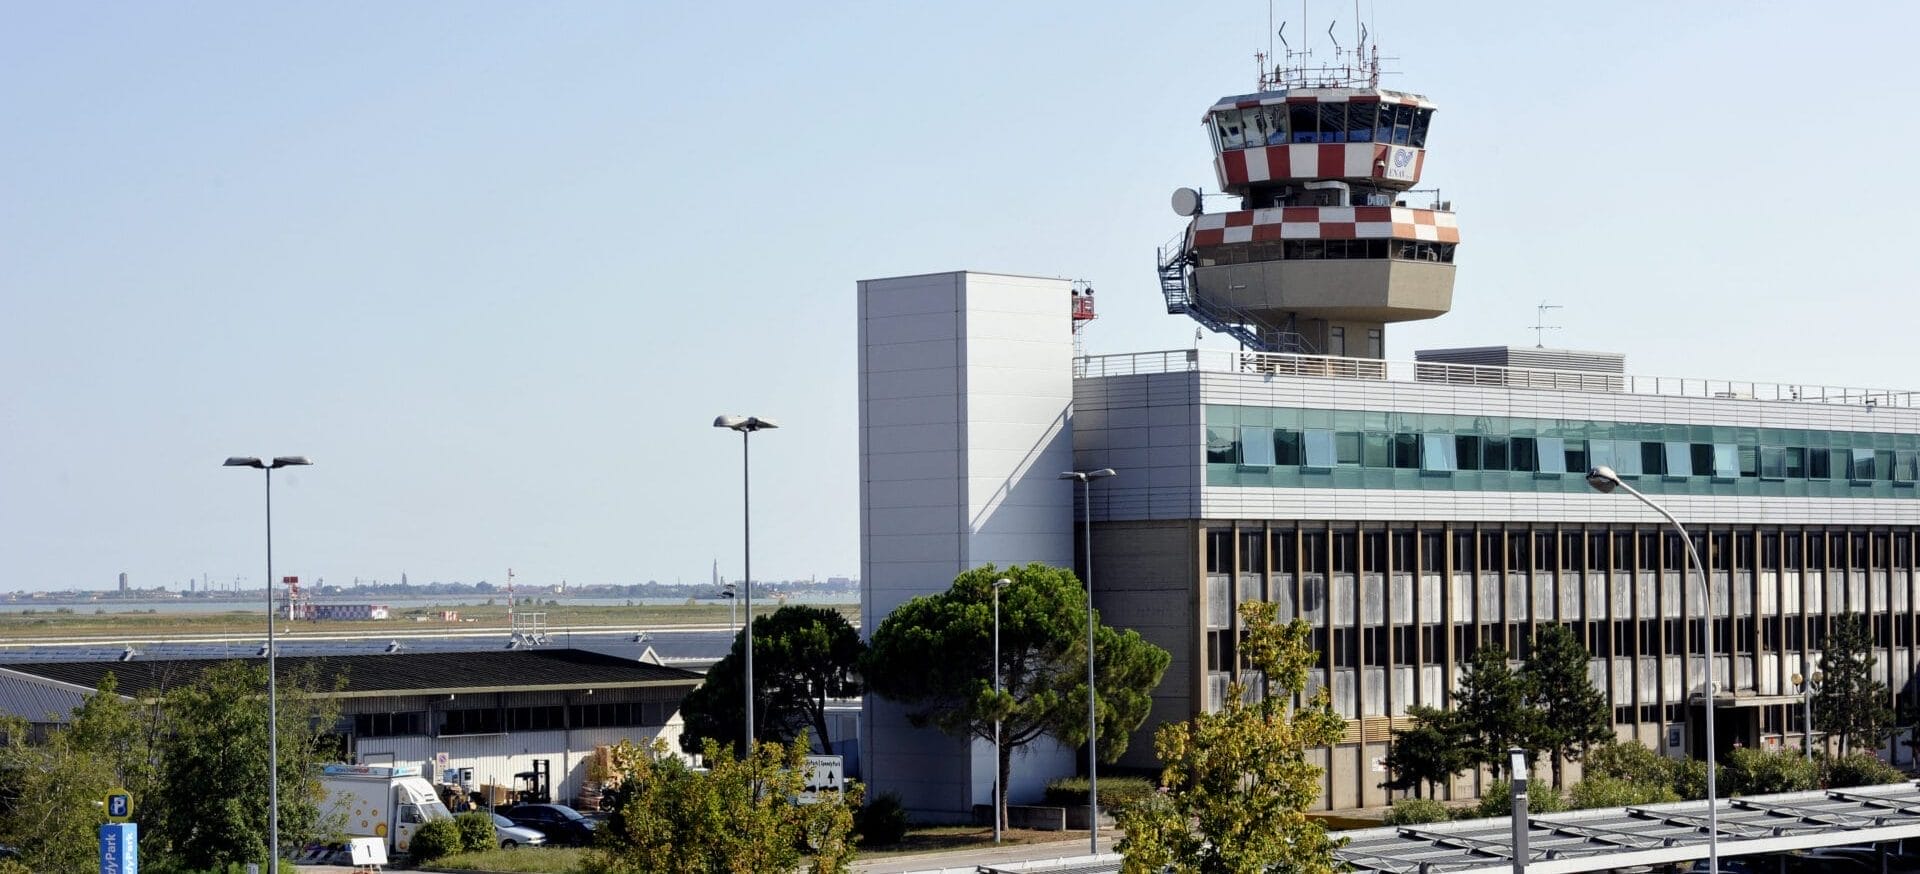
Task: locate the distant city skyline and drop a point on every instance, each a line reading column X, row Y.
column 496, row 267
column 192, row 584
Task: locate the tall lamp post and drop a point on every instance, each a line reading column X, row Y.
column 746, row 425
column 1808, row 686
column 1605, row 481
column 1085, row 478
column 999, row 791
column 273, row 684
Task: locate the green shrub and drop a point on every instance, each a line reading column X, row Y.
column 1753, row 772
column 1689, row 778
column 1630, row 762
column 1414, row 811
column 883, row 821
column 1860, row 769
column 1115, row 792
column 1600, row 790
column 433, row 840
column 1540, row 799
column 476, row 831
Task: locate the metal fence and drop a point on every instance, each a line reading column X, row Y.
column 1332, row 367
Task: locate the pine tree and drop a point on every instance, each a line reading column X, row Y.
column 934, row 654
column 1493, row 710
column 1851, row 703
column 1430, row 752
column 1572, row 714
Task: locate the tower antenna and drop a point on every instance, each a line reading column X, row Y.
column 1540, row 326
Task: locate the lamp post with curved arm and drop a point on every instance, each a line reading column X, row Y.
column 1085, row 478
column 1605, row 481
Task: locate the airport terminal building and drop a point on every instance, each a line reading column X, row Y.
column 1412, row 511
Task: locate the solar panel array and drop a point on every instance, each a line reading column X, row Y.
column 1619, row 837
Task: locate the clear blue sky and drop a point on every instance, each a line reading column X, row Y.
column 496, row 266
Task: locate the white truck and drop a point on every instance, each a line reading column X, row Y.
column 389, row 802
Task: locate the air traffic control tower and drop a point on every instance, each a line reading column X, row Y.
column 1325, row 247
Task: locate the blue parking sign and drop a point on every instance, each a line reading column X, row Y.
column 120, row 848
column 119, row 806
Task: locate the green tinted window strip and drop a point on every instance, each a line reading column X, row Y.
column 1223, row 422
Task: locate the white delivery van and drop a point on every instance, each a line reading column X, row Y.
column 389, row 802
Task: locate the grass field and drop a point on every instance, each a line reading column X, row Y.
column 81, row 621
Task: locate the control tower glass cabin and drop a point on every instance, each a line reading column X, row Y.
column 1324, row 249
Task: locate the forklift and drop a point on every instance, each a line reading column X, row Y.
column 535, row 786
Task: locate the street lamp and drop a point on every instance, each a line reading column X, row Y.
column 1604, row 481
column 273, row 685
column 746, row 425
column 998, row 790
column 1808, row 686
column 1085, row 478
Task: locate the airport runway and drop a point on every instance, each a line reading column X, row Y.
column 693, row 646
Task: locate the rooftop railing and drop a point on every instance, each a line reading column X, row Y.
column 1334, row 367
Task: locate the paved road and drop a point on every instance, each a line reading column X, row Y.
column 959, row 862
column 969, row 861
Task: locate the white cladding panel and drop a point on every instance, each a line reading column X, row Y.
column 965, row 390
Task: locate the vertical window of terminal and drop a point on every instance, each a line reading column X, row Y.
column 1433, row 552
column 1219, row 550
column 1253, row 554
column 1283, row 582
column 1313, row 585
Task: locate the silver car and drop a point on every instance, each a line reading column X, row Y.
column 511, row 835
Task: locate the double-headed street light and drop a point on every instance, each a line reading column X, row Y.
column 1605, row 481
column 273, row 709
column 1808, row 687
column 746, row 425
column 1085, row 478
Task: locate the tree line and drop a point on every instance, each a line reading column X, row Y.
column 1549, row 706
column 934, row 654
column 194, row 759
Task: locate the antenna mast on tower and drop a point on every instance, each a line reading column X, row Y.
column 1540, row 326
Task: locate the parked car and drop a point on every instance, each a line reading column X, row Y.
column 560, row 823
column 1850, row 860
column 511, row 835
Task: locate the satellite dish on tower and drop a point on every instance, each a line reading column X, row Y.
column 1186, row 202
